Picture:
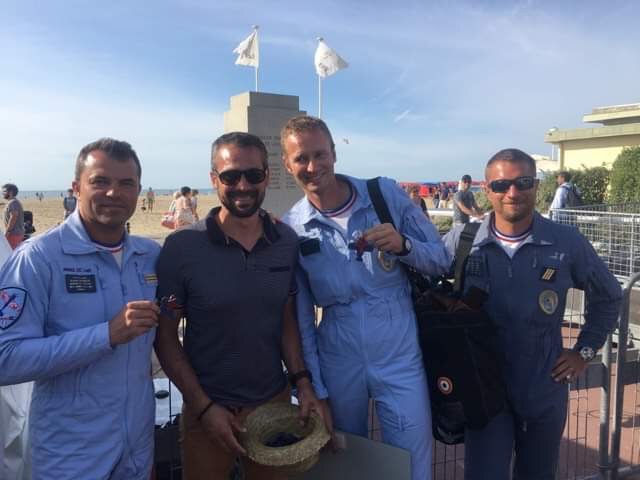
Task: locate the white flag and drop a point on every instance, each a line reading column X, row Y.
column 327, row 61
column 248, row 51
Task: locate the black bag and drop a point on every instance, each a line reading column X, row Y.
column 458, row 342
column 574, row 198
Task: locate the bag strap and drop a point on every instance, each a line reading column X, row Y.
column 379, row 203
column 465, row 243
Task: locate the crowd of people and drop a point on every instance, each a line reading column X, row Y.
column 83, row 305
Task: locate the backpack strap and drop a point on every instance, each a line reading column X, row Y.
column 465, row 243
column 379, row 203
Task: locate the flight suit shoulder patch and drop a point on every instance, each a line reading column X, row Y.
column 12, row 303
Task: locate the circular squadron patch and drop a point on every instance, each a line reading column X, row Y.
column 548, row 301
column 387, row 262
column 445, row 385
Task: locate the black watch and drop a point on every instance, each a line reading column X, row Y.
column 294, row 377
column 406, row 247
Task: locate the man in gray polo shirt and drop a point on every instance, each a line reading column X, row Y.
column 232, row 276
column 13, row 215
column 464, row 203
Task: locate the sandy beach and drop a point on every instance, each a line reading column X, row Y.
column 49, row 212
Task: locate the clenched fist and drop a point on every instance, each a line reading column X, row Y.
column 135, row 319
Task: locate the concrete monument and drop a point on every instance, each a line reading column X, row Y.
column 264, row 114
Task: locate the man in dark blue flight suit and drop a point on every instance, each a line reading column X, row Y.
column 526, row 264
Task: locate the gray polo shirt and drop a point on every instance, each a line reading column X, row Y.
column 234, row 301
column 14, row 206
column 468, row 200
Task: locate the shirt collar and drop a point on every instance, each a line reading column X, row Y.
column 307, row 212
column 76, row 241
column 540, row 233
column 217, row 236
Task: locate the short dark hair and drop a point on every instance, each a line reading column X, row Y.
column 466, row 179
column 11, row 188
column 240, row 140
column 564, row 174
column 185, row 190
column 115, row 149
column 513, row 155
column 305, row 123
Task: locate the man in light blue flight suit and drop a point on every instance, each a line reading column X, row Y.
column 526, row 264
column 77, row 315
column 351, row 265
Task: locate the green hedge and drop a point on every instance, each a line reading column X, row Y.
column 625, row 176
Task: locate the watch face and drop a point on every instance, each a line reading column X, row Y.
column 587, row 353
column 407, row 244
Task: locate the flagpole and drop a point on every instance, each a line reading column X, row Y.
column 319, row 89
column 255, row 29
column 319, row 96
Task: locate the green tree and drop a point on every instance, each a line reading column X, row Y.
column 625, row 176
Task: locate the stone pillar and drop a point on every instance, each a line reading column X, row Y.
column 264, row 114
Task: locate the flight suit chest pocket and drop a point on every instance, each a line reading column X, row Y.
column 476, row 272
column 147, row 281
column 78, row 299
column 325, row 262
column 552, row 279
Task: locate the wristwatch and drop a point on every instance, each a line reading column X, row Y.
column 406, row 247
column 587, row 353
column 294, row 377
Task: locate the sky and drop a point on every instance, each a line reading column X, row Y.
column 433, row 88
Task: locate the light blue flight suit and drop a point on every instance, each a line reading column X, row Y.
column 93, row 407
column 366, row 344
column 527, row 296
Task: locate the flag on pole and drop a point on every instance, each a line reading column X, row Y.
column 247, row 51
column 327, row 60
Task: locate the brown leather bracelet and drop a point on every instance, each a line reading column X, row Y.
column 204, row 410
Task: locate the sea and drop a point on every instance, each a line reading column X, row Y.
column 24, row 194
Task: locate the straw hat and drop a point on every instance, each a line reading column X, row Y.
column 275, row 419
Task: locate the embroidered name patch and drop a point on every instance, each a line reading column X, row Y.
column 12, row 302
column 80, row 283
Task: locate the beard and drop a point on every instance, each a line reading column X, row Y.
column 254, row 199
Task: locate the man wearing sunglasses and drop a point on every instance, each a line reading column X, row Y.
column 526, row 264
column 351, row 265
column 231, row 276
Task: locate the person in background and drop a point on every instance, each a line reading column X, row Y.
column 69, row 203
column 436, row 196
column 13, row 215
column 414, row 195
column 464, row 203
column 194, row 203
column 151, row 199
column 184, row 209
column 445, row 196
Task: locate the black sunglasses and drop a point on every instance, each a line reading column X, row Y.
column 521, row 183
column 231, row 177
